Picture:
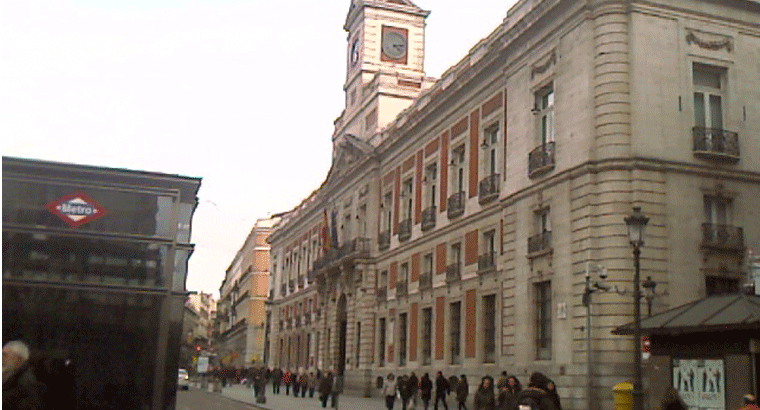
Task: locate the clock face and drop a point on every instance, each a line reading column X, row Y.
column 355, row 51
column 394, row 45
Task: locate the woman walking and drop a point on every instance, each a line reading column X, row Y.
column 462, row 390
column 484, row 397
column 389, row 391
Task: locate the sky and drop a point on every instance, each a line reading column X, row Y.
column 242, row 93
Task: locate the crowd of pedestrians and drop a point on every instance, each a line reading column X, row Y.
column 506, row 394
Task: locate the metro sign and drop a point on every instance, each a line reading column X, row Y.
column 76, row 209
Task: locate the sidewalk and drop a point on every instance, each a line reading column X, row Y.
column 280, row 401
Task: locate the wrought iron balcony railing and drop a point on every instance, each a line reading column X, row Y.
column 455, row 205
column 426, row 281
column 384, row 240
column 716, row 144
column 486, row 262
column 401, row 289
column 453, row 273
column 405, row 229
column 725, row 237
column 541, row 159
column 540, row 242
column 382, row 294
column 428, row 218
column 488, row 189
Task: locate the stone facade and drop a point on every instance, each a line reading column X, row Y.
column 241, row 310
column 457, row 236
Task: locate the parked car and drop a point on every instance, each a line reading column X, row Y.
column 183, row 380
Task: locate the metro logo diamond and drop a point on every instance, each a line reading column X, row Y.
column 76, row 209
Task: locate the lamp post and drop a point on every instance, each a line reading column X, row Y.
column 636, row 223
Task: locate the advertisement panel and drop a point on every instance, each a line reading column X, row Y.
column 700, row 382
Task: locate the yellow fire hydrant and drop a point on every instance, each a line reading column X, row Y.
column 622, row 396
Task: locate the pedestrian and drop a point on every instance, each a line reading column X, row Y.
column 312, row 384
column 389, row 391
column 21, row 389
column 304, row 384
column 413, row 385
column 276, row 380
column 403, row 391
column 671, row 400
column 485, row 398
column 535, row 396
column 442, row 388
column 502, row 381
column 296, row 382
column 551, row 388
column 462, row 391
column 426, row 388
column 507, row 399
column 325, row 388
column 337, row 388
column 750, row 403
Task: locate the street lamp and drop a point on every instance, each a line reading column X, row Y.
column 636, row 224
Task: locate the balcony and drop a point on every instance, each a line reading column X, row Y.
column 384, row 240
column 356, row 248
column 722, row 237
column 541, row 159
column 382, row 294
column 540, row 243
column 716, row 144
column 453, row 273
column 486, row 263
column 405, row 229
column 401, row 289
column 428, row 218
column 488, row 189
column 455, row 205
column 426, row 281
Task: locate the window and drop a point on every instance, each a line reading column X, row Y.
column 544, row 109
column 362, row 221
column 402, row 339
column 431, row 172
column 316, row 350
column 387, row 206
column 427, row 335
column 358, row 342
column 717, row 210
column 489, row 242
column 456, row 323
column 490, row 140
column 457, row 161
column 381, row 347
column 489, row 329
column 542, row 239
column 708, row 96
column 346, row 227
column 383, row 280
column 406, row 195
column 427, row 263
column 456, row 254
column 404, row 273
column 543, row 299
column 718, row 285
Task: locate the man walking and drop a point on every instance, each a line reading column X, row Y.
column 441, row 390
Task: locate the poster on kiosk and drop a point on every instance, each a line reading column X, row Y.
column 700, row 382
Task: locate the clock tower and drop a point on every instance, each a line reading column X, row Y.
column 384, row 65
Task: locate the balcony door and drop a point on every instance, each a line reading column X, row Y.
column 708, row 97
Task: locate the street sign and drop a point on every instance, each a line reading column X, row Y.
column 203, row 364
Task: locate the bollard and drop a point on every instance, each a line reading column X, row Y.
column 622, row 396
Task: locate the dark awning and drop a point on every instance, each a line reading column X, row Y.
column 722, row 312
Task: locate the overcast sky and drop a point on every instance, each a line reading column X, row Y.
column 242, row 93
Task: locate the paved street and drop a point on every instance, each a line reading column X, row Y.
column 283, row 402
column 197, row 399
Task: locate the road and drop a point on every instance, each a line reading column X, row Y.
column 195, row 399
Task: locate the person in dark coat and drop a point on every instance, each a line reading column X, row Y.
column 536, row 392
column 286, row 376
column 304, row 381
column 426, row 389
column 413, row 385
column 507, row 399
column 462, row 391
column 325, row 388
column 403, row 391
column 485, row 398
column 276, row 381
column 671, row 400
column 295, row 380
column 502, row 381
column 442, row 388
column 551, row 388
column 21, row 389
